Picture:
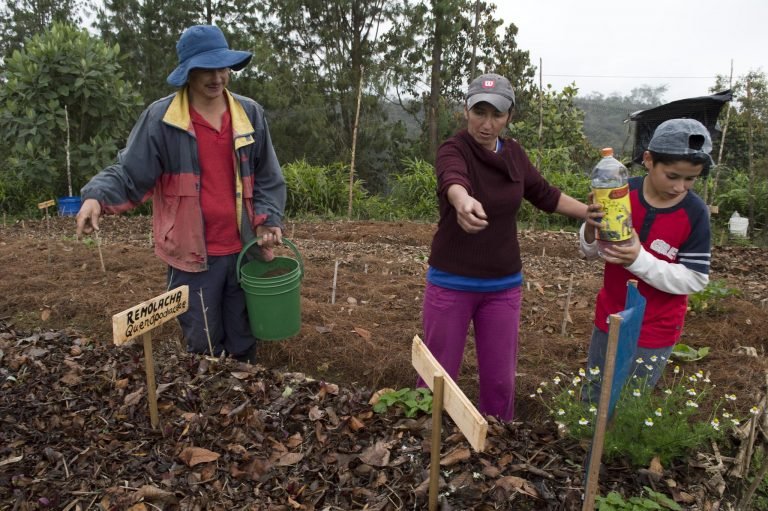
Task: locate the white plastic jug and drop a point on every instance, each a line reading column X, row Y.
column 738, row 225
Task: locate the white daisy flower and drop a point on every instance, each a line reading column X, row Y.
column 658, row 412
column 691, row 404
column 649, row 422
column 583, row 421
column 636, row 392
column 561, row 412
column 654, row 358
column 594, row 371
column 639, row 360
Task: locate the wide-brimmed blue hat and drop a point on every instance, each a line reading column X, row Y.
column 204, row 46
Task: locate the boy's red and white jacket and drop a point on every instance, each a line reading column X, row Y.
column 673, row 262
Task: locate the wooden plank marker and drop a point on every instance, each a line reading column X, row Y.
column 140, row 320
column 445, row 395
column 598, row 441
column 45, row 205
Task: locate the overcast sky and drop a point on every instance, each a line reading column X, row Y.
column 679, row 43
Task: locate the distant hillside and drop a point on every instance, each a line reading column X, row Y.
column 606, row 122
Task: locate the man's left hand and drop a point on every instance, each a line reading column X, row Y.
column 270, row 237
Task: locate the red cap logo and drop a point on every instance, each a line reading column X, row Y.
column 489, row 84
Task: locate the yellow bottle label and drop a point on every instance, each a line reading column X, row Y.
column 617, row 222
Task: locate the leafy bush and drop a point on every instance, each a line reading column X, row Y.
column 413, row 195
column 709, row 299
column 646, row 423
column 63, row 67
column 320, row 190
column 557, row 168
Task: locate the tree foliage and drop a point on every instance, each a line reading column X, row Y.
column 63, row 67
column 21, row 18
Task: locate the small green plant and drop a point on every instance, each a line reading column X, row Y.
column 709, row 298
column 410, row 401
column 666, row 422
column 689, row 353
column 653, row 500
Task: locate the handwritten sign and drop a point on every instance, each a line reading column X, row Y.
column 46, row 204
column 145, row 316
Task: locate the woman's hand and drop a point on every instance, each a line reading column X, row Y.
column 470, row 214
column 593, row 219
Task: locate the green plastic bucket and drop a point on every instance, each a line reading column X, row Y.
column 272, row 293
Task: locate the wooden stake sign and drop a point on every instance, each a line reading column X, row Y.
column 140, row 320
column 445, row 395
column 45, row 205
column 462, row 411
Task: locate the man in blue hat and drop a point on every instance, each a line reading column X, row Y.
column 205, row 156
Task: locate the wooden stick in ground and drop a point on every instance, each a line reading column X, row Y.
column 333, row 287
column 596, row 454
column 98, row 245
column 566, row 314
column 149, row 365
column 757, row 481
column 437, row 426
column 205, row 319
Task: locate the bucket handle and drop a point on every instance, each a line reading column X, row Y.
column 257, row 239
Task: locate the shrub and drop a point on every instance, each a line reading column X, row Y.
column 665, row 423
column 413, row 195
column 709, row 299
column 320, row 190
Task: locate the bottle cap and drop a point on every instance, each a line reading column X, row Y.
column 606, row 151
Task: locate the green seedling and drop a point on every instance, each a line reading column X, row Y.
column 688, row 353
column 410, row 401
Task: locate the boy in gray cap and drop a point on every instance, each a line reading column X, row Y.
column 205, row 156
column 670, row 253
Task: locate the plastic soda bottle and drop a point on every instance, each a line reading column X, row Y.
column 611, row 190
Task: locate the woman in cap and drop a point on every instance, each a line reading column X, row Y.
column 475, row 268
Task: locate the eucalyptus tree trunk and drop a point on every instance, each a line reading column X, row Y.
column 435, row 80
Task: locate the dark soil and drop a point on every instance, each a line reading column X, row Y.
column 296, row 431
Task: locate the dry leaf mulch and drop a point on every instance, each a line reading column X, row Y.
column 76, row 435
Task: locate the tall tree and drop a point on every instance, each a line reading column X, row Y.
column 147, row 31
column 321, row 47
column 63, row 84
column 24, row 18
